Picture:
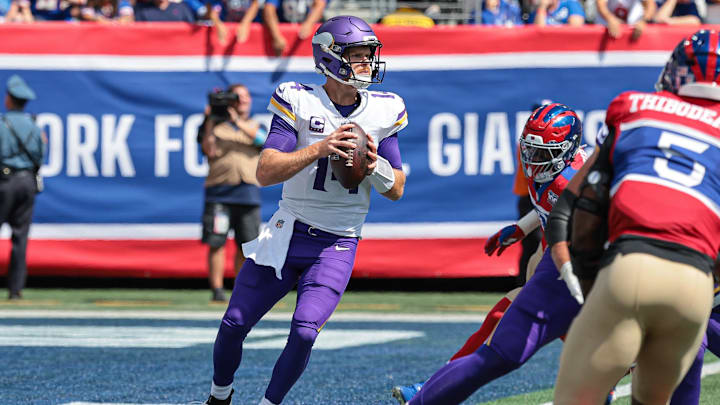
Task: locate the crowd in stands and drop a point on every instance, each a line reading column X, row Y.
column 611, row 13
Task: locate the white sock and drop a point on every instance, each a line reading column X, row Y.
column 220, row 392
column 266, row 401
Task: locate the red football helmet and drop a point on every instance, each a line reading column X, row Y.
column 549, row 142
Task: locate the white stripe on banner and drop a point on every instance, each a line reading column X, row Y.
column 305, row 63
column 417, row 230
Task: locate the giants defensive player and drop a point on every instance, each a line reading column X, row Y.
column 653, row 190
column 311, row 240
column 544, row 308
column 542, row 312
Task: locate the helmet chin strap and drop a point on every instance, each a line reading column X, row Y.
column 358, row 84
column 361, row 84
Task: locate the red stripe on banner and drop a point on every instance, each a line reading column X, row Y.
column 432, row 258
column 376, row 258
column 180, row 39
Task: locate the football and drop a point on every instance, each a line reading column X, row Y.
column 351, row 172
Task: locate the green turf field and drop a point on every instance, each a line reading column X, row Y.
column 187, row 300
column 138, row 300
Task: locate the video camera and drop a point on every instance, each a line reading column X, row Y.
column 219, row 102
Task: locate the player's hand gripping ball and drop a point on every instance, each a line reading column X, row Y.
column 351, row 172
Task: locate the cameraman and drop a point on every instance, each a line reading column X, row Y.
column 232, row 142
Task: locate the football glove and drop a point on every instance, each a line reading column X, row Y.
column 573, row 284
column 503, row 238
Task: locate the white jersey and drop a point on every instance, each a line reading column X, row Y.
column 312, row 195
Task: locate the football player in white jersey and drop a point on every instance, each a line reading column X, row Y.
column 311, row 239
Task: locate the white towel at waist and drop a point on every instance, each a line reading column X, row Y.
column 271, row 246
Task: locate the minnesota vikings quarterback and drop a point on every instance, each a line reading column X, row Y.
column 311, row 239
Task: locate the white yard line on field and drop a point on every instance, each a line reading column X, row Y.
column 625, row 389
column 113, row 403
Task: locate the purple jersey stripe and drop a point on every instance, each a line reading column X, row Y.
column 390, row 150
column 400, row 115
column 282, row 136
column 282, row 102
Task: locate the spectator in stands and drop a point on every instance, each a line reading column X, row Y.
column 163, row 10
column 615, row 13
column 713, row 12
column 209, row 13
column 407, row 17
column 217, row 13
column 50, row 10
column 501, row 12
column 306, row 12
column 558, row 12
column 243, row 12
column 74, row 9
column 22, row 148
column 108, row 10
column 4, row 8
column 231, row 140
column 18, row 11
column 125, row 11
column 681, row 12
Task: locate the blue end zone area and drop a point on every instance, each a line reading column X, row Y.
column 60, row 361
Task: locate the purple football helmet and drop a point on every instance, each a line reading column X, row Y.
column 333, row 38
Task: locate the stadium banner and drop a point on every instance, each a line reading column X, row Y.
column 124, row 174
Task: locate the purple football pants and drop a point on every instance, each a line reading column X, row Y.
column 320, row 263
column 688, row 392
column 541, row 313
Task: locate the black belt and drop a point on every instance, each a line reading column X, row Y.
column 675, row 252
column 312, row 231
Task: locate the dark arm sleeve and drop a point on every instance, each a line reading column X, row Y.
column 390, row 150
column 282, row 136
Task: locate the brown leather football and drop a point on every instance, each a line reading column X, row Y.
column 351, row 172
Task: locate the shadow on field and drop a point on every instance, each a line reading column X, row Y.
column 486, row 284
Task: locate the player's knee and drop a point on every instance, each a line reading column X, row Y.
column 303, row 335
column 233, row 324
column 488, row 358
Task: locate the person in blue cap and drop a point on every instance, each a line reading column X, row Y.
column 22, row 149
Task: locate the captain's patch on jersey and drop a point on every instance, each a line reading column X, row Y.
column 317, row 124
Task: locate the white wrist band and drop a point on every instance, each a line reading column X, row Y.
column 529, row 222
column 383, row 177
